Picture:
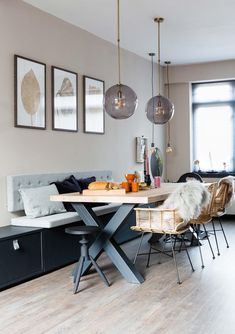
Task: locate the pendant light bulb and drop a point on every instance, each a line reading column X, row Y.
column 169, row 148
column 120, row 101
column 159, row 109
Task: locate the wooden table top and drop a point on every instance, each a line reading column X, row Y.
column 140, row 197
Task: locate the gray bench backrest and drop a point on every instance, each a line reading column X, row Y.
column 15, row 182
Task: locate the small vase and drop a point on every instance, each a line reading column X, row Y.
column 147, row 179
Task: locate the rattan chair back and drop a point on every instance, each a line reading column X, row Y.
column 205, row 215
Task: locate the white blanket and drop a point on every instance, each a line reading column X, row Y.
column 189, row 199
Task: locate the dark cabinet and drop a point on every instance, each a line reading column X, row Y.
column 20, row 255
column 27, row 252
column 58, row 248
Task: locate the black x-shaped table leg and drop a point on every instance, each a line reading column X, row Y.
column 104, row 240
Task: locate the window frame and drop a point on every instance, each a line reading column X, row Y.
column 230, row 103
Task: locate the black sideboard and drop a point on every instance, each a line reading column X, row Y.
column 27, row 252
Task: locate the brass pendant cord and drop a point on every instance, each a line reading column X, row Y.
column 152, row 55
column 118, row 42
column 159, row 65
column 168, row 95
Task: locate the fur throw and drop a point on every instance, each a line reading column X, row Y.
column 229, row 180
column 188, row 199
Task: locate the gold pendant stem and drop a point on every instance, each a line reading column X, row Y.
column 118, row 42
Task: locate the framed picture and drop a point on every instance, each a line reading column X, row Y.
column 93, row 90
column 64, row 99
column 141, row 144
column 30, row 93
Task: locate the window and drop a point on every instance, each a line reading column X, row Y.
column 213, row 125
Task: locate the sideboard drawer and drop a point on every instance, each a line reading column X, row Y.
column 20, row 258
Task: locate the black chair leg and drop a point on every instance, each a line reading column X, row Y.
column 199, row 245
column 163, row 249
column 220, row 222
column 149, row 254
column 176, row 266
column 213, row 255
column 182, row 238
column 141, row 239
column 216, row 241
column 99, row 271
column 79, row 273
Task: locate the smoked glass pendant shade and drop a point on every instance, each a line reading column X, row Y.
column 159, row 109
column 120, row 101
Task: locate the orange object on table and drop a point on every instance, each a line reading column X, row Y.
column 126, row 186
column 134, row 187
column 130, row 177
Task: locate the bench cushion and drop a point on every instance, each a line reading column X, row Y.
column 60, row 218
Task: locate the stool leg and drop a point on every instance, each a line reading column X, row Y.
column 99, row 271
column 79, row 273
column 75, row 269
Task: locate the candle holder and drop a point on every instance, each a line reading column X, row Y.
column 147, row 179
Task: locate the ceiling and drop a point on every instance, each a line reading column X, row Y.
column 192, row 32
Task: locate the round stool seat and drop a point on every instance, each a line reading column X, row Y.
column 82, row 230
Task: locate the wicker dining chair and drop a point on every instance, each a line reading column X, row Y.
column 172, row 218
column 222, row 200
column 189, row 177
column 165, row 222
column 204, row 218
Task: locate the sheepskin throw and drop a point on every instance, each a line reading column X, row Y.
column 229, row 181
column 188, row 199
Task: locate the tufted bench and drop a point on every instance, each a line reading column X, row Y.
column 57, row 248
column 15, row 204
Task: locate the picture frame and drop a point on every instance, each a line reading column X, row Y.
column 29, row 93
column 141, row 144
column 64, row 99
column 93, row 96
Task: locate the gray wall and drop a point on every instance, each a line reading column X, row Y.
column 28, row 32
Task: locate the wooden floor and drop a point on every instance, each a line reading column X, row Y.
column 204, row 303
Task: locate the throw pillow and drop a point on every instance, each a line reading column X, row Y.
column 37, row 201
column 84, row 182
column 69, row 185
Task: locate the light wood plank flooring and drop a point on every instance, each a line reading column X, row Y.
column 204, row 303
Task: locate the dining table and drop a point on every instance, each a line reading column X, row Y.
column 104, row 241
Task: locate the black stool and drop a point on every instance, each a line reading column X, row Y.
column 85, row 256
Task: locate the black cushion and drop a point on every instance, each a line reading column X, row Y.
column 69, row 185
column 84, row 183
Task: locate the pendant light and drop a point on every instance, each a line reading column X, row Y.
column 156, row 159
column 120, row 101
column 168, row 148
column 152, row 54
column 159, row 109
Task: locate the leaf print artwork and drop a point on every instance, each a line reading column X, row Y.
column 30, row 93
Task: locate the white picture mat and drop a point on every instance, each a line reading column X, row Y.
column 94, row 112
column 24, row 118
column 65, row 121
